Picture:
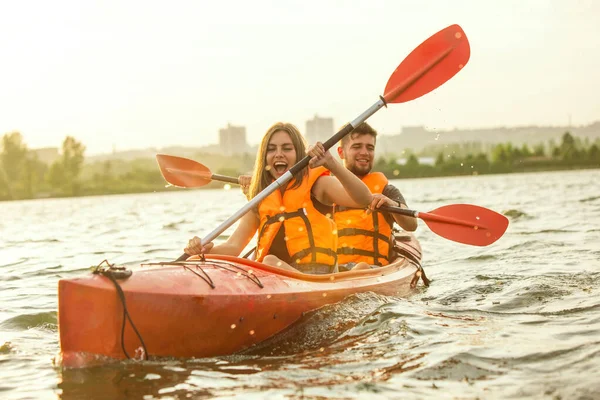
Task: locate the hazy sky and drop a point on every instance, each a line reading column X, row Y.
column 138, row 74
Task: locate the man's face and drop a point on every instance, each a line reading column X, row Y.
column 358, row 154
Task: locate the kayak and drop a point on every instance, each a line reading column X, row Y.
column 202, row 308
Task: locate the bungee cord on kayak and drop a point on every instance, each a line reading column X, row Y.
column 113, row 273
column 219, row 264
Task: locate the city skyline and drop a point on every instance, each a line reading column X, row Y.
column 137, row 75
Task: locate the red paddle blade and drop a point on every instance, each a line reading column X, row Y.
column 466, row 223
column 183, row 172
column 432, row 63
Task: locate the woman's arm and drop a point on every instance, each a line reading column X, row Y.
column 238, row 240
column 345, row 189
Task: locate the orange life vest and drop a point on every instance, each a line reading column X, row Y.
column 310, row 236
column 361, row 236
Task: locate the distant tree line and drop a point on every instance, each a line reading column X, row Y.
column 24, row 176
column 570, row 153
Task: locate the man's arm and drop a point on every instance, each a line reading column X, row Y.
column 407, row 223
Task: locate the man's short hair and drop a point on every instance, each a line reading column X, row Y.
column 362, row 129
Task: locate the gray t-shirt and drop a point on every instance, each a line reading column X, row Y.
column 393, row 193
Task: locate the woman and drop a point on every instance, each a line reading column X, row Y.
column 293, row 234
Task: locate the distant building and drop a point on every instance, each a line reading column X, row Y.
column 232, row 140
column 319, row 129
column 46, row 155
column 413, row 130
column 422, row 160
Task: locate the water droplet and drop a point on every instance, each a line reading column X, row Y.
column 458, row 35
column 324, row 294
column 232, row 326
column 251, row 332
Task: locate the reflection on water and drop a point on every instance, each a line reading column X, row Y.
column 519, row 318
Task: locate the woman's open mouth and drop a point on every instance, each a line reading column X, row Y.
column 280, row 167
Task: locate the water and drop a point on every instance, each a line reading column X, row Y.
column 519, row 318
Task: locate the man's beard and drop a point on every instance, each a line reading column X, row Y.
column 360, row 171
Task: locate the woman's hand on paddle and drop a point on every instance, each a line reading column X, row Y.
column 319, row 156
column 194, row 247
column 245, row 181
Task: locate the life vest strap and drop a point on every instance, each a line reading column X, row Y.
column 337, row 208
column 303, row 253
column 363, row 232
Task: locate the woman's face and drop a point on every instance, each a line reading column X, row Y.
column 281, row 154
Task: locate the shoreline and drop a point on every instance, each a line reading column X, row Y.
column 221, row 186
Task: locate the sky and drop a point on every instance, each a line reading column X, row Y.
column 139, row 74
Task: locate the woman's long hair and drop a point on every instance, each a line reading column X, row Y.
column 261, row 178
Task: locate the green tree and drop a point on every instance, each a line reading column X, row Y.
column 538, row 150
column 12, row 161
column 568, row 148
column 64, row 172
column 594, row 153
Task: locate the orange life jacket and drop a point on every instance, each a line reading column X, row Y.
column 310, row 236
column 361, row 236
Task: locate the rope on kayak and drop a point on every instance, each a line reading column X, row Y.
column 236, row 268
column 205, row 278
column 113, row 273
column 227, row 266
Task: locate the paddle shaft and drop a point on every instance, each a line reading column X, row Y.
column 214, row 177
column 224, row 178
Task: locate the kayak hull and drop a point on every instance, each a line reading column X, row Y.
column 205, row 308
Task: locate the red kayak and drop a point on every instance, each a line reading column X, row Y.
column 197, row 308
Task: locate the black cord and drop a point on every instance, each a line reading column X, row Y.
column 126, row 316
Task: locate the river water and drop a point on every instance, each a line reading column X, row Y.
column 517, row 319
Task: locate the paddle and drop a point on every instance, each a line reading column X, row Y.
column 183, row 172
column 428, row 66
column 462, row 223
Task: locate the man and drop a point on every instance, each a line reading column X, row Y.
column 365, row 237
